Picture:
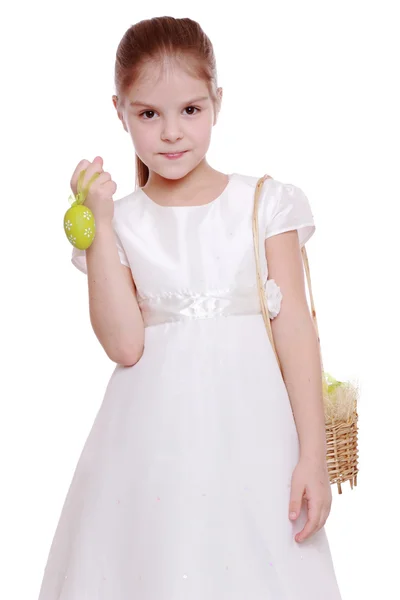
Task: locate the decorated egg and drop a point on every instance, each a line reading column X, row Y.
column 79, row 226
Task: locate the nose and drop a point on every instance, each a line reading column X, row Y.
column 171, row 130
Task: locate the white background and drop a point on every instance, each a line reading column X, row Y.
column 310, row 98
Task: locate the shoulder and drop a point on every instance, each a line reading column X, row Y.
column 270, row 186
column 274, row 194
column 282, row 207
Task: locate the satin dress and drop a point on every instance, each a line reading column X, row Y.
column 182, row 489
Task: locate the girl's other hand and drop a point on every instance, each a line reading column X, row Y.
column 310, row 481
column 100, row 196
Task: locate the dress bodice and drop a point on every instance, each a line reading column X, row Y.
column 198, row 261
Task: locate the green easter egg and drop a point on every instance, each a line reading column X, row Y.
column 79, row 226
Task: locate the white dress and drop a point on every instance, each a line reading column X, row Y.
column 182, row 488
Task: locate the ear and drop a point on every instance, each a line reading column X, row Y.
column 119, row 113
column 219, row 102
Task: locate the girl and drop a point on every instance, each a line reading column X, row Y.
column 204, row 476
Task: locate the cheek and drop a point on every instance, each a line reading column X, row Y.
column 142, row 137
column 206, row 137
column 204, row 131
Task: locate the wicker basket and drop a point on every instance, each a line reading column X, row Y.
column 340, row 398
column 341, row 431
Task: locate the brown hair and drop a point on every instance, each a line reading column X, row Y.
column 157, row 40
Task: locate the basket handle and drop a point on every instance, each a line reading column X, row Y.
column 261, row 292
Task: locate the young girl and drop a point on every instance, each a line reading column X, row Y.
column 204, row 476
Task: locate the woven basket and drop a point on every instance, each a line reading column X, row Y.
column 340, row 398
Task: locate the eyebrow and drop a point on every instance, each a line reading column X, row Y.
column 188, row 103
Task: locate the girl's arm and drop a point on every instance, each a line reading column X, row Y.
column 297, row 344
column 114, row 311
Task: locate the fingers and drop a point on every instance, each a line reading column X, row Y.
column 95, row 167
column 106, row 187
column 317, row 517
column 311, row 525
column 83, row 164
column 103, row 177
column 296, row 499
column 91, row 168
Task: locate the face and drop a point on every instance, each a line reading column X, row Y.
column 169, row 111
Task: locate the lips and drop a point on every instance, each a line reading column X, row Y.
column 173, row 153
column 170, row 156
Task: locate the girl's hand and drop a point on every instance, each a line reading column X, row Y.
column 310, row 480
column 99, row 198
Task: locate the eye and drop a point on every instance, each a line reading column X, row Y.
column 152, row 112
column 146, row 112
column 193, row 107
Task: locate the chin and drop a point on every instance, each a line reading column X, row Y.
column 173, row 170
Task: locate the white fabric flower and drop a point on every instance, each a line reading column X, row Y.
column 274, row 297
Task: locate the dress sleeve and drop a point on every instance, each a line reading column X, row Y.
column 288, row 209
column 79, row 256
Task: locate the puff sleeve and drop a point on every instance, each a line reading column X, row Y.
column 288, row 209
column 78, row 258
